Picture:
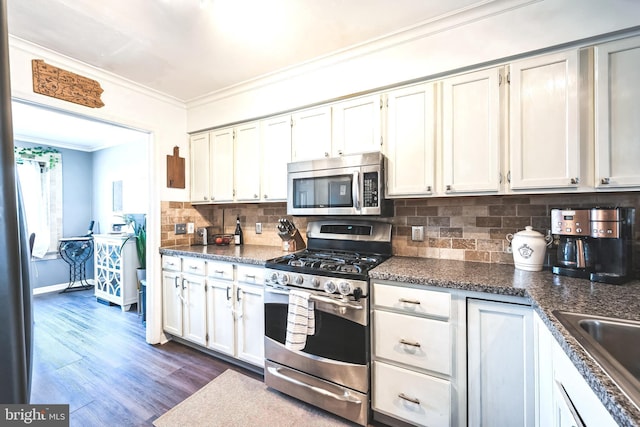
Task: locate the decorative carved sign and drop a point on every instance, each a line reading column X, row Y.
column 58, row 83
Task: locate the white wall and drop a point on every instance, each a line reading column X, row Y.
column 490, row 32
column 131, row 105
column 127, row 163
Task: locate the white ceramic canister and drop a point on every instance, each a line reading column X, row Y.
column 528, row 248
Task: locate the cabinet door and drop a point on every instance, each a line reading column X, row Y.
column 276, row 153
column 311, row 134
column 172, row 302
column 500, row 364
column 200, row 174
column 410, row 149
column 617, row 93
column 250, row 323
column 544, row 127
column 544, row 373
column 220, row 324
column 221, row 164
column 195, row 316
column 471, row 132
column 247, row 162
column 356, row 125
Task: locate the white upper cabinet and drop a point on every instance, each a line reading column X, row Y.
column 247, row 162
column 410, row 148
column 199, row 166
column 471, row 132
column 221, row 165
column 276, row 153
column 544, row 137
column 311, row 134
column 357, row 125
column 617, row 114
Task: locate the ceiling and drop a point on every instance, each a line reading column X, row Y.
column 189, row 48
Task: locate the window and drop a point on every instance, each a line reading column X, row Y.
column 39, row 173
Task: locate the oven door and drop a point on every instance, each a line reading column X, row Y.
column 339, row 349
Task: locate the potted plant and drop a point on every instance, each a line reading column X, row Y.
column 140, row 234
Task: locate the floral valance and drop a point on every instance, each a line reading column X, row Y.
column 46, row 156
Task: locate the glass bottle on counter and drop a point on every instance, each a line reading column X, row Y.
column 237, row 235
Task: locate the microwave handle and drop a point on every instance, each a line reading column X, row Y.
column 356, row 190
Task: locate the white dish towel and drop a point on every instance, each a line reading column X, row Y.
column 300, row 319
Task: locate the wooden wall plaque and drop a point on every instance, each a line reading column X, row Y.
column 62, row 84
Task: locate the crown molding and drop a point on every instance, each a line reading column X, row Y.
column 458, row 18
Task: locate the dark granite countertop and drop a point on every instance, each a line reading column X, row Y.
column 244, row 254
column 546, row 292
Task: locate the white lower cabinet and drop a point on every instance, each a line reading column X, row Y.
column 183, row 290
column 235, row 312
column 215, row 304
column 500, row 369
column 418, row 349
column 563, row 396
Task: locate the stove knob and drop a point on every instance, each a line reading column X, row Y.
column 284, row 278
column 274, row 277
column 315, row 282
column 345, row 288
column 299, row 280
column 330, row 287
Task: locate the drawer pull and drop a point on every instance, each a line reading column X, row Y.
column 409, row 301
column 411, row 343
column 409, row 399
column 250, row 276
column 219, row 271
column 194, row 267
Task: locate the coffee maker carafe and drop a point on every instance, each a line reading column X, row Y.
column 575, row 249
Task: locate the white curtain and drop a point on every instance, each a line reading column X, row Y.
column 35, row 194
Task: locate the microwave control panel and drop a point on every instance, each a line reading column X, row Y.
column 370, row 190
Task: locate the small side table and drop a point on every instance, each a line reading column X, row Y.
column 75, row 251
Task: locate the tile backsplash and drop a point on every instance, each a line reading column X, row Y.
column 471, row 228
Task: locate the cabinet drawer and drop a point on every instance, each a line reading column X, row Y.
column 220, row 270
column 194, row 266
column 250, row 274
column 416, row 341
column 417, row 398
column 171, row 263
column 412, row 300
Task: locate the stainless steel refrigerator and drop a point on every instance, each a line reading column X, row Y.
column 16, row 324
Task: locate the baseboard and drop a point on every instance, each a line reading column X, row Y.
column 54, row 288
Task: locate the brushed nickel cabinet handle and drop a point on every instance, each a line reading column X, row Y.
column 411, row 343
column 575, row 180
column 409, row 301
column 449, row 188
column 605, row 181
column 409, row 399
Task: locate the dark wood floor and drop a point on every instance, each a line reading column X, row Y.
column 94, row 357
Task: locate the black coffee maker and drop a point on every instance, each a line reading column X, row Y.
column 595, row 243
column 575, row 249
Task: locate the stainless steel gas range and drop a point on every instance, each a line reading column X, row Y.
column 331, row 371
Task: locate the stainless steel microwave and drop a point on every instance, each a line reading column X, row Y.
column 346, row 185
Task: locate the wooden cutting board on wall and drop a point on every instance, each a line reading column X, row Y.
column 175, row 169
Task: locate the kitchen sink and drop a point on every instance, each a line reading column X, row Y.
column 613, row 343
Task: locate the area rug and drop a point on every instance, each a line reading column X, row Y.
column 235, row 400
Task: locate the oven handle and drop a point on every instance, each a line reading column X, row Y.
column 319, row 298
column 350, row 399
